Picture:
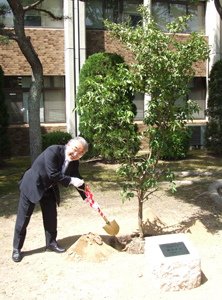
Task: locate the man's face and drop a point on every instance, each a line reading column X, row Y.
column 75, row 150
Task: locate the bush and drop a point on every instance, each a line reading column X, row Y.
column 99, row 78
column 177, row 146
column 97, row 64
column 55, row 138
column 212, row 135
column 5, row 142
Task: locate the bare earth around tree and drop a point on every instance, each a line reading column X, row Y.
column 91, row 268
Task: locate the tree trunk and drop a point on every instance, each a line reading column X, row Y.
column 37, row 78
column 140, row 217
column 35, row 135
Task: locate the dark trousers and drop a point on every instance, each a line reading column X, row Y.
column 49, row 214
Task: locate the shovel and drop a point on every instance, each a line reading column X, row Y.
column 111, row 227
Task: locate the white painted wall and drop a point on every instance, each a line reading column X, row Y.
column 213, row 30
column 69, row 63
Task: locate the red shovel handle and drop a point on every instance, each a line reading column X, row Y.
column 91, row 202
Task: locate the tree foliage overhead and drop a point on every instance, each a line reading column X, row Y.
column 106, row 109
column 163, row 68
column 213, row 133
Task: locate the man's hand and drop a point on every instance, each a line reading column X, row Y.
column 76, row 181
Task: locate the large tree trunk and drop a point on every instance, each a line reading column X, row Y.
column 37, row 78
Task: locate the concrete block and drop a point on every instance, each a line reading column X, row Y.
column 172, row 262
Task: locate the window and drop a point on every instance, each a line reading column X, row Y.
column 139, row 102
column 34, row 18
column 114, row 10
column 197, row 94
column 52, row 102
column 167, row 11
column 15, row 107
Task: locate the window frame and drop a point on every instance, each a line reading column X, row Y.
column 121, row 14
column 20, row 89
column 198, row 84
column 38, row 14
column 187, row 3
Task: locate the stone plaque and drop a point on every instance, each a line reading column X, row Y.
column 173, row 263
column 174, row 249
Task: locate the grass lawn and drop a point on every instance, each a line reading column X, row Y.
column 196, row 160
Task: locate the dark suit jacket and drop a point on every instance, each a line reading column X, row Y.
column 46, row 172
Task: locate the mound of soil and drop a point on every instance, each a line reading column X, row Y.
column 95, row 248
column 89, row 247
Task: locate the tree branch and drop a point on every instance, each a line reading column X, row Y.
column 32, row 6
column 49, row 13
column 8, row 33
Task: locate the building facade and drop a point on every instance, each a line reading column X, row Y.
column 63, row 46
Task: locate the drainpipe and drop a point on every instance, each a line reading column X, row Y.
column 76, row 40
column 75, row 56
column 69, row 69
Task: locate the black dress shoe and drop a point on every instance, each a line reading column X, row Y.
column 16, row 255
column 55, row 248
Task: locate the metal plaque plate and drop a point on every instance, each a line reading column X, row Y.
column 174, row 249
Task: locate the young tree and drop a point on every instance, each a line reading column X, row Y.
column 24, row 42
column 163, row 68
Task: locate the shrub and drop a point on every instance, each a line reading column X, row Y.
column 102, row 102
column 97, row 64
column 177, row 146
column 212, row 135
column 55, row 138
column 5, row 142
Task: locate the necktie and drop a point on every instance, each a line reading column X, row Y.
column 65, row 166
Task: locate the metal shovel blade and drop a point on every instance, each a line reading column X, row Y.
column 111, row 228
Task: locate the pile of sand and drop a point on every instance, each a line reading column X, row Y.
column 89, row 247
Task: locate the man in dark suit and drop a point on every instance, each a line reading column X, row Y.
column 56, row 165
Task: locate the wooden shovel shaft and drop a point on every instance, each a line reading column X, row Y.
column 107, row 222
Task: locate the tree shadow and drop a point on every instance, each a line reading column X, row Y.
column 196, row 195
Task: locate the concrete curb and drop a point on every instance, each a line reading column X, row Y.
column 213, row 192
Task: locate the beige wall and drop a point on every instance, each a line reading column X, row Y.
column 48, row 44
column 99, row 41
